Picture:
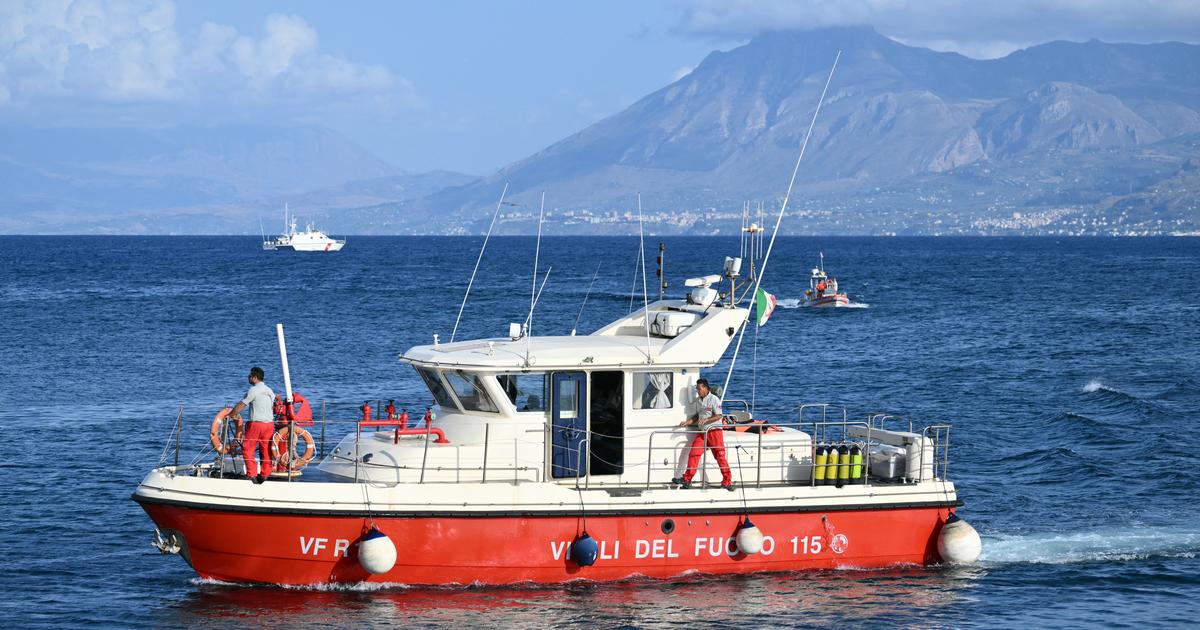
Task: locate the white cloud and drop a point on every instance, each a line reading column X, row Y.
column 682, row 72
column 132, row 52
column 985, row 29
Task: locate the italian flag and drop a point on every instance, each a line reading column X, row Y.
column 764, row 305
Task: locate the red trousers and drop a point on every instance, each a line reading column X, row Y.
column 715, row 439
column 258, row 436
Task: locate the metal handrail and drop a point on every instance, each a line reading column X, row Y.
column 833, row 419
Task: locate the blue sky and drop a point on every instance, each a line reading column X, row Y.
column 467, row 86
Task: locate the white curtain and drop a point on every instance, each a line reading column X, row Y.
column 658, row 389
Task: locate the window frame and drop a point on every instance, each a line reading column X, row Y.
column 478, row 384
column 544, row 394
column 637, row 396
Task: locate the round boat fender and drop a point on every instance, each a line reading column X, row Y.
column 376, row 552
column 958, row 542
column 585, row 550
column 214, row 432
column 282, row 454
column 749, row 538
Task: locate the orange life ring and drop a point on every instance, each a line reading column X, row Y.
column 282, row 455
column 214, row 433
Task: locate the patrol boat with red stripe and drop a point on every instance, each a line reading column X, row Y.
column 551, row 459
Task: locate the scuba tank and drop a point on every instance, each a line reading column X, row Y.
column 843, row 475
column 819, row 462
column 831, row 466
column 856, row 465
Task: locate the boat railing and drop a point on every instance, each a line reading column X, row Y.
column 822, row 424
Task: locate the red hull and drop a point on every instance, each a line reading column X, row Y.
column 282, row 548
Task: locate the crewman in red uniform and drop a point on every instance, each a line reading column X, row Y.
column 366, row 411
column 390, row 410
column 257, row 433
column 708, row 418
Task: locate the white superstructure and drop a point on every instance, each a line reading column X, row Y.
column 309, row 240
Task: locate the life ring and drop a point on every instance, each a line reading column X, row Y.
column 214, row 432
column 281, row 453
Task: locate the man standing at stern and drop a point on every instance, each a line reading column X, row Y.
column 258, row 432
column 708, row 418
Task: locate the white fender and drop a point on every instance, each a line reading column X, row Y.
column 749, row 538
column 376, row 552
column 959, row 543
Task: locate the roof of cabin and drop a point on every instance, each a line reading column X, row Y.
column 622, row 343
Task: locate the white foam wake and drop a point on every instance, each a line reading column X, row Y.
column 1098, row 545
column 1094, row 386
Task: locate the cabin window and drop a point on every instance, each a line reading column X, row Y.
column 652, row 390
column 526, row 391
column 440, row 395
column 469, row 391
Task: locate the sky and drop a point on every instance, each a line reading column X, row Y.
column 464, row 86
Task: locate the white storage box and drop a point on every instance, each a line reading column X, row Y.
column 888, row 462
column 671, row 323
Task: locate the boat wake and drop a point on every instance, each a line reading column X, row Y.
column 797, row 303
column 1118, row 544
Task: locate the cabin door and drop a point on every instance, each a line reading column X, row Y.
column 568, row 427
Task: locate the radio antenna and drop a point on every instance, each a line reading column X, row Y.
column 585, row 299
column 645, row 295
column 477, row 260
column 537, row 251
column 778, row 220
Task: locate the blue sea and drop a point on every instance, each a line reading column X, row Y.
column 1068, row 368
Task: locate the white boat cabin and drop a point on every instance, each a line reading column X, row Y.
column 604, row 406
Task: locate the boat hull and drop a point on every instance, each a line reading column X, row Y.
column 447, row 549
column 832, row 301
column 312, row 247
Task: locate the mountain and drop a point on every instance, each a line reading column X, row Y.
column 188, row 179
column 897, row 118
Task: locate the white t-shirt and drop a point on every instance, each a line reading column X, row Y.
column 261, row 401
column 708, row 409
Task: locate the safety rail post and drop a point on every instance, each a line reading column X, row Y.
column 650, row 458
column 587, row 465
column 357, row 452
column 322, row 429
column 178, row 435
column 291, row 445
column 487, row 426
column 221, row 453
column 424, row 454
column 758, row 462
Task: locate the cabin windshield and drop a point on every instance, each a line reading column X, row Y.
column 470, row 391
column 440, row 395
column 526, row 391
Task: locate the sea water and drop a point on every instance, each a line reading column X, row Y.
column 1067, row 367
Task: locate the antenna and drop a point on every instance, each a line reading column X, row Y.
column 476, row 270
column 645, row 297
column 585, row 298
column 782, row 209
column 539, row 293
column 537, row 251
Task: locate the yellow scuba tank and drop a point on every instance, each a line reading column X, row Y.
column 831, row 466
column 843, row 476
column 819, row 462
column 856, row 465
